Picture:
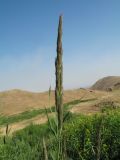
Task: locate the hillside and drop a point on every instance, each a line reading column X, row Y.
column 17, row 101
column 107, row 83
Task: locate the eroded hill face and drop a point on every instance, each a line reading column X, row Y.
column 107, row 84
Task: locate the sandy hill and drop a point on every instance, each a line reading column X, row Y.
column 16, row 101
column 107, row 83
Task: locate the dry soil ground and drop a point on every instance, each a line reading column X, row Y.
column 14, row 102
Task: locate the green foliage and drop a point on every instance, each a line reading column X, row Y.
column 81, row 137
column 19, row 117
column 59, row 77
column 25, row 144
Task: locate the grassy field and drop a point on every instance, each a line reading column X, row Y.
column 80, row 132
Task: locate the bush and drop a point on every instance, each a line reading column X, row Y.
column 84, row 138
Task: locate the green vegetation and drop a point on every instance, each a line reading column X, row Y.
column 88, row 136
column 19, row 117
column 59, row 77
column 33, row 113
column 83, row 136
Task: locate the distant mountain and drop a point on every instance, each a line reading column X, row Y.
column 107, row 83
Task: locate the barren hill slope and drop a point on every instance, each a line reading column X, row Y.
column 17, row 101
column 107, row 83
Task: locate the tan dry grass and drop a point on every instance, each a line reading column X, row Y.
column 17, row 101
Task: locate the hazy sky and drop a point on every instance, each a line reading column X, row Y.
column 28, row 32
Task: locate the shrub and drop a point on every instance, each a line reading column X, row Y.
column 82, row 138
